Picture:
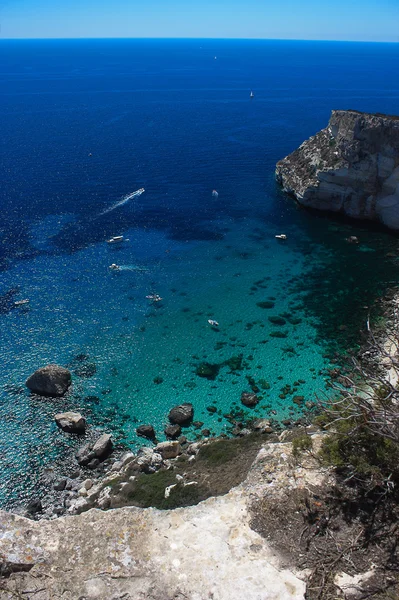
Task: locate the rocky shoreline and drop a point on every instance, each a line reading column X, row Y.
column 100, row 474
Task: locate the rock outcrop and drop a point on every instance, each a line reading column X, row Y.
column 350, row 167
column 91, row 455
column 182, row 414
column 205, row 551
column 51, row 380
column 71, row 422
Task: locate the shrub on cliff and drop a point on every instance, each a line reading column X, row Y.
column 364, row 427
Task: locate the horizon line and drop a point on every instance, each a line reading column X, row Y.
column 83, row 38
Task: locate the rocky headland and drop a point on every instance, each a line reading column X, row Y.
column 350, row 167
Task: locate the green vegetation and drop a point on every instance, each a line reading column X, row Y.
column 301, row 443
column 149, row 490
column 224, row 451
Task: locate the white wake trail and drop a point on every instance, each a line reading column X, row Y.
column 124, row 200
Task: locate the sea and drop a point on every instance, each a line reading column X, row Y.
column 84, row 124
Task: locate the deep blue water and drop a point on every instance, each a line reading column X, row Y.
column 85, row 122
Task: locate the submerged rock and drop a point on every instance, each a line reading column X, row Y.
column 71, row 422
column 181, row 414
column 248, row 399
column 208, row 370
column 51, row 380
column 351, row 167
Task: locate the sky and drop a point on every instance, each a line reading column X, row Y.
column 352, row 20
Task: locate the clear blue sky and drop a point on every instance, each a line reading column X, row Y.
column 368, row 20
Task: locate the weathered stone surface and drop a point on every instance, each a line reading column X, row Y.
column 71, row 422
column 198, row 552
column 148, row 555
column 168, row 449
column 51, row 380
column 182, row 414
column 91, row 454
column 148, row 461
column 351, row 167
column 262, row 425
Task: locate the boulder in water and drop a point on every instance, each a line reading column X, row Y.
column 172, row 431
column 91, row 454
column 249, row 399
column 51, row 380
column 146, row 431
column 71, row 422
column 181, row 414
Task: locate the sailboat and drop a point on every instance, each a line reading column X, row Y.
column 252, row 95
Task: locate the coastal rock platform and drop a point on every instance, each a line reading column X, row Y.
column 198, row 552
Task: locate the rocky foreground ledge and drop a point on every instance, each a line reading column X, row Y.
column 350, row 167
column 210, row 550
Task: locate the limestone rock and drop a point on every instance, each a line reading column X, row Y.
column 181, row 414
column 91, row 454
column 71, row 422
column 350, row 167
column 148, row 461
column 262, row 426
column 51, row 380
column 168, row 449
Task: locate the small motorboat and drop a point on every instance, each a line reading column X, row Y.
column 154, row 297
column 281, row 236
column 114, row 267
column 213, row 323
column 116, row 239
column 215, row 194
column 21, row 302
column 352, row 239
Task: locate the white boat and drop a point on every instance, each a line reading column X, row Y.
column 116, row 239
column 114, row 267
column 213, row 323
column 215, row 194
column 21, row 302
column 281, row 236
column 252, row 95
column 154, row 297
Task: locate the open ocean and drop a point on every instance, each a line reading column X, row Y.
column 86, row 122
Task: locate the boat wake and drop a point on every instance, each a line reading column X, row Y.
column 124, row 200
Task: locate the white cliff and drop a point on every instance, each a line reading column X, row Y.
column 350, row 167
column 202, row 552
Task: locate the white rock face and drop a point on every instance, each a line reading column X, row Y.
column 351, row 166
column 202, row 552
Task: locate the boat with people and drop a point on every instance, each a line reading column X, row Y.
column 21, row 302
column 213, row 323
column 116, row 239
column 154, row 297
column 114, row 267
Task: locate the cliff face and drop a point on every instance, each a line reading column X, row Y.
column 351, row 167
column 199, row 552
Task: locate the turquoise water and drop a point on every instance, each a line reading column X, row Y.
column 98, row 120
